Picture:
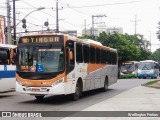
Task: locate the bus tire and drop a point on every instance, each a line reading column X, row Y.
column 78, row 91
column 105, row 87
column 39, row 98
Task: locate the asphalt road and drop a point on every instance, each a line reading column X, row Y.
column 13, row 101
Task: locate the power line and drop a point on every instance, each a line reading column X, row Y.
column 52, row 15
column 75, row 9
column 36, row 8
column 105, row 4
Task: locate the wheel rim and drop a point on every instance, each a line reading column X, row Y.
column 106, row 84
column 77, row 93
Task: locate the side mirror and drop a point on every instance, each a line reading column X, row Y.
column 70, row 55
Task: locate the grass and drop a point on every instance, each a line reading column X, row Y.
column 151, row 82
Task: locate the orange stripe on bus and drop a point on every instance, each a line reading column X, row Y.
column 40, row 83
column 93, row 67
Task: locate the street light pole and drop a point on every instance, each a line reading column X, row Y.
column 14, row 19
column 41, row 8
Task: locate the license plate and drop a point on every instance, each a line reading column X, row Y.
column 35, row 89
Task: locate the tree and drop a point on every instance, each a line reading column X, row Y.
column 156, row 55
column 129, row 47
column 85, row 37
column 126, row 50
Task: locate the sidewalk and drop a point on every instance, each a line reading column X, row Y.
column 136, row 99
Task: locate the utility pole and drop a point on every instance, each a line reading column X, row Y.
column 14, row 23
column 93, row 22
column 85, row 27
column 57, row 21
column 9, row 38
column 150, row 40
column 135, row 24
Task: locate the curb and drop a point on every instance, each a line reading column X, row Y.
column 11, row 90
column 158, row 87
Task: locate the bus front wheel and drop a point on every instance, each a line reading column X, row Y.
column 75, row 96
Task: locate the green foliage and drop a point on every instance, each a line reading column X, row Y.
column 156, row 55
column 151, row 82
column 129, row 47
column 85, row 37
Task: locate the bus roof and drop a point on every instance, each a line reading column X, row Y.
column 85, row 41
column 7, row 46
column 130, row 62
column 149, row 61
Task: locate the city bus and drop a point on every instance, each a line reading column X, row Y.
column 129, row 69
column 58, row 64
column 7, row 67
column 148, row 68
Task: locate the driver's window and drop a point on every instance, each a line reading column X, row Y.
column 13, row 53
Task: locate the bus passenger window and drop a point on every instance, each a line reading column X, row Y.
column 92, row 55
column 86, row 53
column 3, row 57
column 79, row 57
column 98, row 55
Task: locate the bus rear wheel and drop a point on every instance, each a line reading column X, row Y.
column 105, row 87
column 39, row 97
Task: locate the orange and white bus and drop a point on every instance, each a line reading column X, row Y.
column 55, row 64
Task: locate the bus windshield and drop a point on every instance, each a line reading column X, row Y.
column 145, row 66
column 127, row 68
column 40, row 59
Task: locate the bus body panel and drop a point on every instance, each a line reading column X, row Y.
column 7, row 68
column 7, row 84
column 7, row 71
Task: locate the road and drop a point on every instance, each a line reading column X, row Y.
column 13, row 101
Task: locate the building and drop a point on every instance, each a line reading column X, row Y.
column 112, row 30
column 70, row 32
column 102, row 28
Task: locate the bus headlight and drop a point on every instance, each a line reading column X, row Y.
column 18, row 82
column 133, row 73
column 57, row 82
column 121, row 73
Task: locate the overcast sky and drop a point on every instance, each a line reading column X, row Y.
column 72, row 13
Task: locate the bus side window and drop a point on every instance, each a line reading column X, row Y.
column 13, row 56
column 3, row 57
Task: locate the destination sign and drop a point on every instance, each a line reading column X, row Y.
column 40, row 39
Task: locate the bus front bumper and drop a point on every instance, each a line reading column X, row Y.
column 145, row 75
column 54, row 90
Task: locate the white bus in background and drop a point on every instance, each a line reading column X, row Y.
column 148, row 68
column 7, row 67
